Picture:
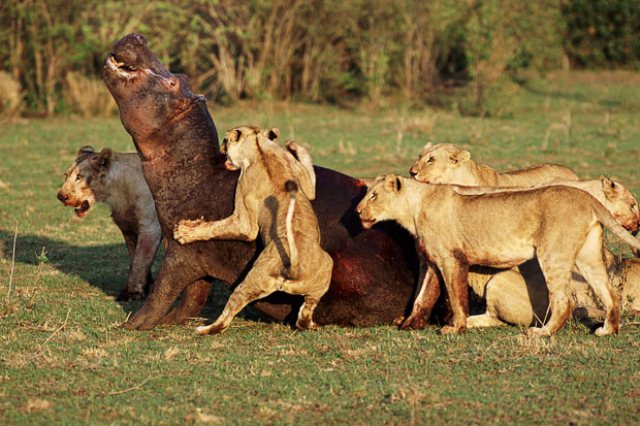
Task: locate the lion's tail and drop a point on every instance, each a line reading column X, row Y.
column 606, row 218
column 292, row 189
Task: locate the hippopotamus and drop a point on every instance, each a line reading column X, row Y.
column 374, row 271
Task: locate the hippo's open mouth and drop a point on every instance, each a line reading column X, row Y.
column 121, row 69
column 82, row 209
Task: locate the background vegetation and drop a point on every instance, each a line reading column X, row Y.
column 333, row 51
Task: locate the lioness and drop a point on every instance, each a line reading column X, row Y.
column 613, row 195
column 116, row 180
column 559, row 225
column 269, row 177
column 519, row 296
column 445, row 163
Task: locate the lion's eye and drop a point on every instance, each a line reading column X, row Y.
column 374, row 195
column 78, row 177
column 430, row 160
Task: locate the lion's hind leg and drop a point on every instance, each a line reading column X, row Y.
column 257, row 284
column 590, row 263
column 557, row 274
column 312, row 289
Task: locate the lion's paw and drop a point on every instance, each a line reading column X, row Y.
column 452, row 329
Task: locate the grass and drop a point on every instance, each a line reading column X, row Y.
column 63, row 358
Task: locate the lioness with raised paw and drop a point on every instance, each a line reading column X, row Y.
column 268, row 203
column 446, row 163
column 561, row 226
column 115, row 178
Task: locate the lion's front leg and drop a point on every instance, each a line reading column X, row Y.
column 242, row 225
column 187, row 231
column 455, row 277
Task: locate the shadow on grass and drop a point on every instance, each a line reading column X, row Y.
column 105, row 267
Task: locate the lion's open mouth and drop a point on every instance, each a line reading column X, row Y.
column 367, row 223
column 82, row 209
column 230, row 166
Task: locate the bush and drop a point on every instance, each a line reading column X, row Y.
column 88, row 96
column 10, row 96
column 602, row 33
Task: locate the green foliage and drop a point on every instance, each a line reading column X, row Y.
column 602, row 33
column 319, row 50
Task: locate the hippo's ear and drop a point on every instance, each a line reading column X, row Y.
column 460, row 157
column 84, row 151
column 392, row 183
column 103, row 160
column 271, row 134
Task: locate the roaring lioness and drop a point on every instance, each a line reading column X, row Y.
column 561, row 226
column 446, row 163
column 116, row 179
column 268, row 203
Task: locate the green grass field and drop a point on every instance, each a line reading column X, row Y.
column 64, row 360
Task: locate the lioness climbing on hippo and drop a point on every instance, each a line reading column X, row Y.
column 268, row 206
column 374, row 271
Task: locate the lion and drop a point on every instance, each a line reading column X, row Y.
column 519, row 296
column 268, row 203
column 446, row 163
column 613, row 195
column 116, row 179
column 559, row 225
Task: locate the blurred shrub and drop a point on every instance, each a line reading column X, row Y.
column 315, row 50
column 602, row 33
column 88, row 96
column 10, row 96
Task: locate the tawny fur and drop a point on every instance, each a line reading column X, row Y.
column 446, row 163
column 262, row 203
column 614, row 196
column 519, row 296
column 116, row 179
column 559, row 225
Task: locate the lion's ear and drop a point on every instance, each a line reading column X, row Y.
column 609, row 187
column 103, row 160
column 84, row 151
column 392, row 183
column 271, row 134
column 234, row 135
column 460, row 156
